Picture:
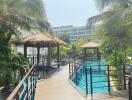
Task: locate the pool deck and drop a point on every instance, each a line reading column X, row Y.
column 57, row 87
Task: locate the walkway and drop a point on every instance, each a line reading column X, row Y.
column 57, row 87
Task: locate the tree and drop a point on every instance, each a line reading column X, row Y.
column 76, row 50
column 116, row 29
column 17, row 15
column 101, row 4
column 65, row 37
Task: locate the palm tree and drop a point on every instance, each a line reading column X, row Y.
column 116, row 20
column 26, row 11
column 115, row 28
column 104, row 3
column 111, row 13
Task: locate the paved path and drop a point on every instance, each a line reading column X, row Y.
column 57, row 87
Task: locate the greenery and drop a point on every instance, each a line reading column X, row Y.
column 65, row 37
column 63, row 52
column 12, row 66
column 76, row 50
column 17, row 15
column 115, row 30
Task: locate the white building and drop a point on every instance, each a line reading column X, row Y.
column 75, row 33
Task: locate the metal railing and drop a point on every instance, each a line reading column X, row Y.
column 74, row 66
column 114, row 77
column 25, row 90
column 110, row 76
column 75, row 71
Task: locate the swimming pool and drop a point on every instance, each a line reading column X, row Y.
column 99, row 78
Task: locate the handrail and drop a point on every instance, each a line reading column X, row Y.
column 15, row 91
column 73, row 75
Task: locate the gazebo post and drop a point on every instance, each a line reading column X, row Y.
column 25, row 50
column 38, row 55
column 84, row 56
column 98, row 54
column 49, row 56
column 98, row 57
column 58, row 55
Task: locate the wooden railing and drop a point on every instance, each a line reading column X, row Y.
column 25, row 90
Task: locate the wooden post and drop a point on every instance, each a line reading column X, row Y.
column 124, row 73
column 98, row 54
column 38, row 54
column 69, row 70
column 25, row 50
column 49, row 56
column 98, row 58
column 58, row 55
column 84, row 55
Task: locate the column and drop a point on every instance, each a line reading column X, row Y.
column 49, row 56
column 25, row 50
column 38, row 55
column 58, row 55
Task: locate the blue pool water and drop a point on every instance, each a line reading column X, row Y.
column 99, row 78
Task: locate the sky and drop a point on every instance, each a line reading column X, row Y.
column 69, row 12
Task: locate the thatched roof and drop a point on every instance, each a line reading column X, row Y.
column 57, row 40
column 41, row 39
column 91, row 45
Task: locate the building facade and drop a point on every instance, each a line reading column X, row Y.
column 75, row 33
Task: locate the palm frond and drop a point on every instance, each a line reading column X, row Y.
column 101, row 4
column 30, row 8
column 29, row 12
column 100, row 18
column 35, row 24
column 109, row 16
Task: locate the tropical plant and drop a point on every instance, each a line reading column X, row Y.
column 17, row 15
column 102, row 4
column 64, row 52
column 24, row 11
column 65, row 37
column 115, row 29
column 12, row 65
column 76, row 50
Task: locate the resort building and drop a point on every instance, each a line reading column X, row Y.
column 75, row 33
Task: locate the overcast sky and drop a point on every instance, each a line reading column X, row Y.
column 69, row 12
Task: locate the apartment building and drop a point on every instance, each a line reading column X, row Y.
column 75, row 33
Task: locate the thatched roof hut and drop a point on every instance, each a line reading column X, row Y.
column 91, row 45
column 41, row 39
